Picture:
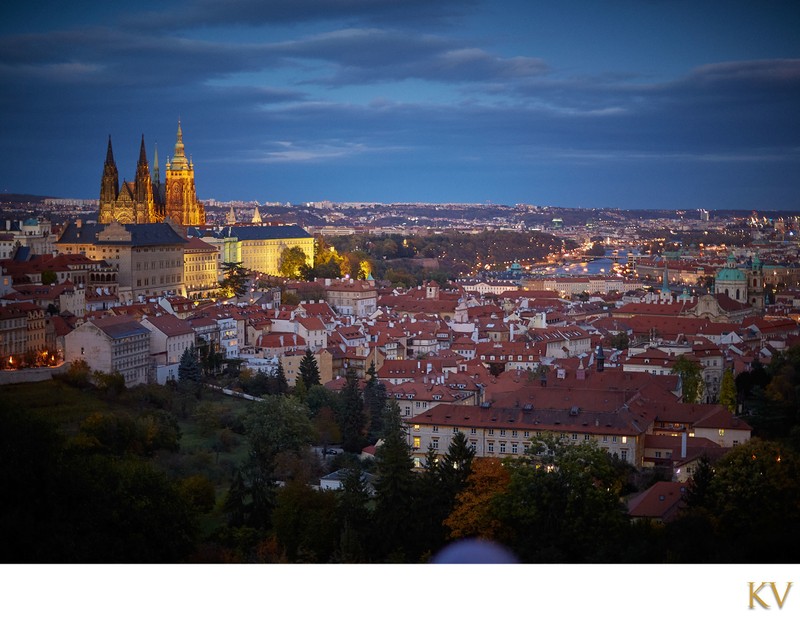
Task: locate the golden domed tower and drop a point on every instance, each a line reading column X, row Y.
column 181, row 204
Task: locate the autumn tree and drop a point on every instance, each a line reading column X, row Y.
column 727, row 391
column 473, row 512
column 291, row 262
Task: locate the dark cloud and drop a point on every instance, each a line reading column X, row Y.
column 358, row 56
column 271, row 12
column 104, row 56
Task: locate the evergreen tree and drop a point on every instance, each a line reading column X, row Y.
column 394, row 490
column 352, row 418
column 281, row 384
column 354, row 516
column 439, row 485
column 189, row 367
column 235, row 281
column 309, row 371
column 375, row 397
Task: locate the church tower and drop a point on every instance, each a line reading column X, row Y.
column 756, row 284
column 109, row 186
column 143, row 190
column 181, row 204
column 146, row 199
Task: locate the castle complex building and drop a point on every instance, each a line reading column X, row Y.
column 146, row 199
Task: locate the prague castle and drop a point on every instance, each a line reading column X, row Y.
column 146, row 199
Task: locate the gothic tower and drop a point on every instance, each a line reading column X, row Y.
column 181, row 204
column 147, row 199
column 158, row 187
column 143, row 190
column 109, row 186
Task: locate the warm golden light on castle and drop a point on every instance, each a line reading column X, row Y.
column 146, row 199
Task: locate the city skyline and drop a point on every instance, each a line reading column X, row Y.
column 630, row 105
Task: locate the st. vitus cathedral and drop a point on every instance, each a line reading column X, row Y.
column 146, row 199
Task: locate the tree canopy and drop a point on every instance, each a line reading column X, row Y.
column 291, row 262
column 691, row 374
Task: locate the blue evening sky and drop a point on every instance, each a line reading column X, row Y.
column 606, row 103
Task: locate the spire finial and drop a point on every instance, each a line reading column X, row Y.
column 179, row 161
column 109, row 152
column 142, row 153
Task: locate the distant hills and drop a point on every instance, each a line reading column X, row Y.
column 22, row 198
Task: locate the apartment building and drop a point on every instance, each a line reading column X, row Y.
column 112, row 344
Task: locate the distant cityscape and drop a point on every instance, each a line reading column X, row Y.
column 492, row 328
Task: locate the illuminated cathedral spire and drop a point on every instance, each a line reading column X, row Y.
column 179, row 161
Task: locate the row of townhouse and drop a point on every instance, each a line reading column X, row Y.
column 620, row 412
column 25, row 335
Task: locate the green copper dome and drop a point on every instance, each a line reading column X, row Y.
column 731, row 274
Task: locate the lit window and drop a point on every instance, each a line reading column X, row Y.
column 624, row 439
column 721, row 432
column 416, row 427
column 416, row 441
